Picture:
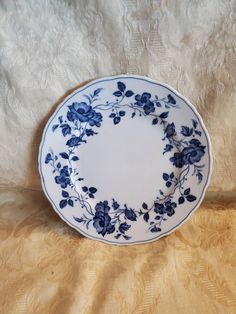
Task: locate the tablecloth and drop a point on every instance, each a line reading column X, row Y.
column 48, row 48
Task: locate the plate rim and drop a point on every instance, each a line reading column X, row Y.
column 110, row 78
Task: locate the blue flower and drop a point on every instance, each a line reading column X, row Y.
column 170, row 208
column 64, row 178
column 166, row 208
column 192, row 154
column 170, row 130
column 84, row 113
column 102, row 220
column 189, row 155
column 145, row 102
column 159, row 208
column 177, row 160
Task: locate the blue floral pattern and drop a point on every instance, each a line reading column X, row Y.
column 83, row 120
column 84, row 113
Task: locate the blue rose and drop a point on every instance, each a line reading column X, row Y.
column 170, row 130
column 64, row 178
column 145, row 102
column 102, row 220
column 189, row 155
column 192, row 154
column 84, row 113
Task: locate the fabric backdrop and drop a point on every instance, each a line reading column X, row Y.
column 48, row 48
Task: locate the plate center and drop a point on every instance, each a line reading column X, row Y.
column 125, row 161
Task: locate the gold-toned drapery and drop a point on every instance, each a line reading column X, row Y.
column 47, row 267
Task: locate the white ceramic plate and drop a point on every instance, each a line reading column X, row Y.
column 125, row 160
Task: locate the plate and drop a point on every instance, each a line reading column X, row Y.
column 125, row 160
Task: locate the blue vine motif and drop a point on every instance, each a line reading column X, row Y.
column 81, row 122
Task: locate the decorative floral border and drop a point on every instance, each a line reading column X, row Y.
column 80, row 123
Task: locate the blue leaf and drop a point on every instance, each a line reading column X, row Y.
column 112, row 115
column 158, row 217
column 116, row 120
column 172, row 175
column 117, row 94
column 91, row 195
column 126, row 237
column 191, row 198
column 168, row 184
column 186, row 131
column 65, row 194
column 130, row 214
column 124, row 227
column 158, row 104
column 90, row 132
column 84, row 189
column 64, row 155
column 155, row 229
column 171, row 99
column 117, row 236
column 154, row 121
column 181, row 200
column 195, row 142
column 199, row 175
column 165, row 176
column 194, row 123
column 121, row 86
column 167, row 148
column 187, row 191
column 129, row 93
column 145, row 206
column 164, row 115
column 92, row 190
column 122, row 113
column 54, row 127
column 63, row 203
column 133, row 115
column 59, row 165
column 198, row 133
column 115, row 205
column 70, row 202
column 75, row 158
column 78, row 219
column 97, row 91
column 74, row 141
column 146, row 217
column 60, row 119
column 48, row 158
column 66, row 129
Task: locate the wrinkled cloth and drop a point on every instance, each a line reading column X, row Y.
column 47, row 49
column 47, row 267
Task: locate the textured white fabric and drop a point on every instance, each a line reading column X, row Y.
column 49, row 47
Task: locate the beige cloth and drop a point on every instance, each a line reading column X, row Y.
column 49, row 47
column 47, row 267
